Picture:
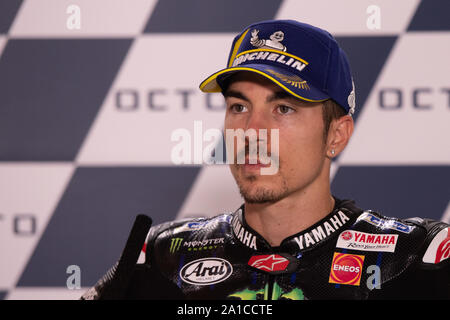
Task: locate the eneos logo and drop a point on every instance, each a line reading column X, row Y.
column 346, row 269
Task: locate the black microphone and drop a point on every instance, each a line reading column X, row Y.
column 122, row 272
column 127, row 280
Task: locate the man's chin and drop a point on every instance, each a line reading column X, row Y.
column 255, row 188
column 261, row 195
column 258, row 200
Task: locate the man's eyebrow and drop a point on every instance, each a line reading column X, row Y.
column 279, row 95
column 235, row 94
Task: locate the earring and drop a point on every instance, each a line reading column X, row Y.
column 332, row 152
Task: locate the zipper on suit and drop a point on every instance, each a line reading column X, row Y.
column 268, row 293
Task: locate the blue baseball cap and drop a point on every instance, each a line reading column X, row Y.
column 304, row 60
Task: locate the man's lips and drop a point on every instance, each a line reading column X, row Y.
column 257, row 165
column 253, row 167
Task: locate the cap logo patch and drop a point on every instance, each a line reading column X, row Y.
column 351, row 100
column 292, row 80
column 270, row 55
column 274, row 41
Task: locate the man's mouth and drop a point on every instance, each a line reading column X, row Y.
column 256, row 164
column 258, row 158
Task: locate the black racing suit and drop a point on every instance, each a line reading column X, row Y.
column 349, row 254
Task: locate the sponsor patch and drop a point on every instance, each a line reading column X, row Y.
column 175, row 244
column 271, row 49
column 351, row 100
column 385, row 223
column 354, row 240
column 273, row 263
column 274, row 41
column 322, row 231
column 206, row 271
column 195, row 245
column 194, row 225
column 346, row 269
column 293, row 80
column 246, row 237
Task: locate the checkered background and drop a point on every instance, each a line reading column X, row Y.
column 86, row 116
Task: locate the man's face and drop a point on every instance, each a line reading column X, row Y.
column 254, row 102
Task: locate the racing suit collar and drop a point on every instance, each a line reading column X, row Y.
column 341, row 217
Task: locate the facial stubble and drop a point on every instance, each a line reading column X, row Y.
column 259, row 194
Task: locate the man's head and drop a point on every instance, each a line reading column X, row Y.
column 300, row 86
column 310, row 135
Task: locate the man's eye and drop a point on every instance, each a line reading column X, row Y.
column 284, row 109
column 238, row 108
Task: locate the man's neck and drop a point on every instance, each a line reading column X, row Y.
column 290, row 215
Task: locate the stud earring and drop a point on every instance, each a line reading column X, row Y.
column 332, row 152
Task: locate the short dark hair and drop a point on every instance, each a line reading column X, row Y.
column 331, row 111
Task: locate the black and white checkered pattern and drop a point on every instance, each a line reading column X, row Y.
column 86, row 117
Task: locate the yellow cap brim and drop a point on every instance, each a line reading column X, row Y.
column 210, row 84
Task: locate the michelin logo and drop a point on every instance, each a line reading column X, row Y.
column 270, row 56
column 274, row 41
column 270, row 50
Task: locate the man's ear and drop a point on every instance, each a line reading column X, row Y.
column 338, row 135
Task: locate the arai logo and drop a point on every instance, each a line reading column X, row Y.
column 206, row 271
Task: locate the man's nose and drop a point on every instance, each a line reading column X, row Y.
column 258, row 119
column 258, row 128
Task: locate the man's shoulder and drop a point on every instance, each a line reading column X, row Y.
column 437, row 242
column 375, row 221
column 424, row 239
column 189, row 228
column 167, row 240
column 411, row 254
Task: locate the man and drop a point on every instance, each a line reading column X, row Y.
column 291, row 239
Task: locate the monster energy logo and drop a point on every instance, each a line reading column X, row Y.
column 175, row 244
column 263, row 294
column 197, row 245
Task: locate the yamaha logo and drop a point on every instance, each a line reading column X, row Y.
column 346, row 235
column 206, row 271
